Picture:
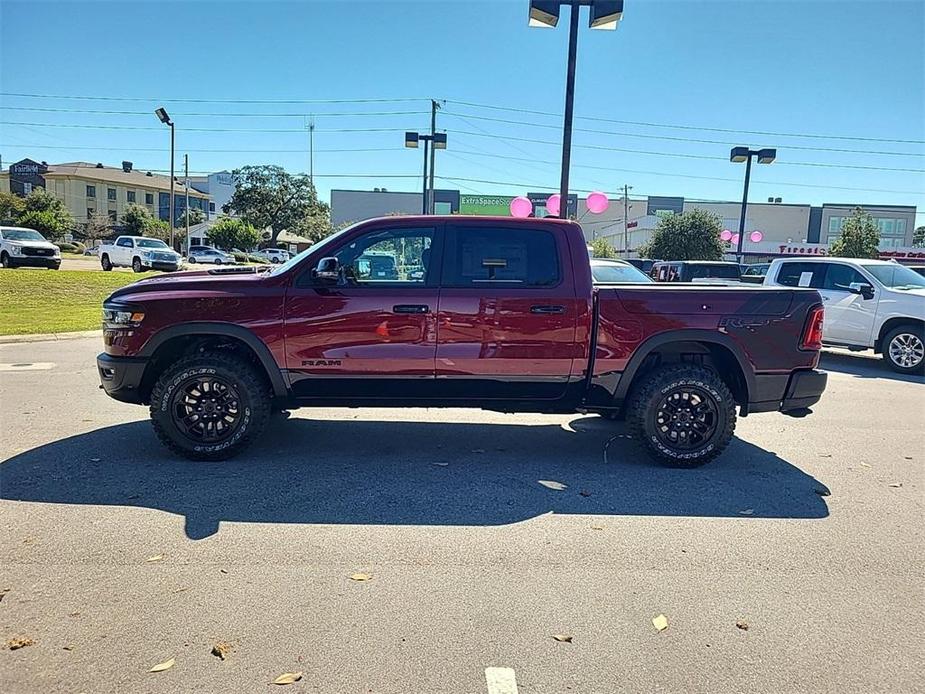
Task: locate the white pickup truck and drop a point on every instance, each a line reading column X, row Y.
column 139, row 253
column 869, row 304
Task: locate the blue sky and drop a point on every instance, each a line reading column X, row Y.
column 836, row 70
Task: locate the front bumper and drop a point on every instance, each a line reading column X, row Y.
column 791, row 394
column 51, row 262
column 162, row 265
column 121, row 377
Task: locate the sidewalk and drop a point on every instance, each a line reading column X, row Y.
column 42, row 337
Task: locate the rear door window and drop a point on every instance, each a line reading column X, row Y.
column 799, row 274
column 479, row 256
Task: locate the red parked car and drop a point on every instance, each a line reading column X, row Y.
column 494, row 313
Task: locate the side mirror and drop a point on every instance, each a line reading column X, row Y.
column 864, row 290
column 327, row 269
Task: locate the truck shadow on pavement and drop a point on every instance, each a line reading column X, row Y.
column 862, row 366
column 409, row 473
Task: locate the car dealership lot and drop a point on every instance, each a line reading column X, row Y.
column 484, row 535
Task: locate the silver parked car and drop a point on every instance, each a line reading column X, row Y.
column 209, row 255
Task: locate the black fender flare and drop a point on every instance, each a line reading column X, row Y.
column 686, row 335
column 259, row 347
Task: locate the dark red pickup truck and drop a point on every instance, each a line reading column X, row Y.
column 494, row 313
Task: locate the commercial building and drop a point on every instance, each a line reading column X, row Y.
column 218, row 186
column 93, row 189
column 802, row 228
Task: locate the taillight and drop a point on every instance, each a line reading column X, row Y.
column 812, row 331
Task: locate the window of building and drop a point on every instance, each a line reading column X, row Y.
column 149, row 198
column 476, row 256
column 835, row 225
column 901, row 226
column 439, row 207
column 798, row 274
column 212, row 206
column 91, row 191
column 110, row 193
column 130, row 196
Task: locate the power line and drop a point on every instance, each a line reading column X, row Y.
column 687, row 156
column 147, row 114
column 204, row 130
column 678, row 139
column 220, row 151
column 704, row 178
column 690, row 127
column 217, row 101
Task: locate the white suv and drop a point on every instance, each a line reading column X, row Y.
column 869, row 304
column 274, row 255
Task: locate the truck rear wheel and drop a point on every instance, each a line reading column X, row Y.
column 684, row 415
column 209, row 406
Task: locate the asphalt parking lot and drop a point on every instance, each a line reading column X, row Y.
column 481, row 535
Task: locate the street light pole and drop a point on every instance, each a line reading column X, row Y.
column 604, row 14
column 424, row 206
column 431, row 142
column 433, row 131
column 744, row 154
column 186, row 177
column 569, row 109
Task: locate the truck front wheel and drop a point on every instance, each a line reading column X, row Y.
column 684, row 415
column 136, row 264
column 209, row 406
column 106, row 263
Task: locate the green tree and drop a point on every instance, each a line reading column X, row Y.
column 11, row 206
column 918, row 237
column 692, row 235
column 136, row 219
column 231, row 233
column 602, row 248
column 97, row 226
column 860, row 237
column 46, row 214
column 196, row 216
column 267, row 196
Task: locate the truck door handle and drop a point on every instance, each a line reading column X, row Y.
column 547, row 309
column 411, row 308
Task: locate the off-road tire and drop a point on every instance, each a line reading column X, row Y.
column 912, row 330
column 252, row 389
column 106, row 263
column 647, row 397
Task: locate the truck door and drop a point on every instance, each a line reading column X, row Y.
column 849, row 317
column 508, row 312
column 123, row 249
column 369, row 331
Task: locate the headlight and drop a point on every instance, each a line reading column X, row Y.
column 15, row 249
column 118, row 318
column 147, row 255
column 57, row 252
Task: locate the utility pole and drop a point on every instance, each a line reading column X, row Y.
column 186, row 177
column 170, row 208
column 433, row 131
column 626, row 218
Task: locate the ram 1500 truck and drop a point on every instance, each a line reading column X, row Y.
column 493, row 313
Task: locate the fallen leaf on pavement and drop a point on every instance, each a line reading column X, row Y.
column 825, row 455
column 564, row 638
column 156, row 557
column 224, row 571
column 288, row 678
column 865, row 464
column 360, row 577
column 19, row 642
column 221, row 649
column 68, row 648
column 660, row 623
column 896, row 484
column 3, row 592
column 552, row 484
column 747, row 512
column 166, row 665
column 597, row 527
column 73, row 614
column 742, row 624
column 907, row 457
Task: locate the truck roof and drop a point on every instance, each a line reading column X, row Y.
column 830, row 258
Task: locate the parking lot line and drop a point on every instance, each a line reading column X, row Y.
column 501, row 680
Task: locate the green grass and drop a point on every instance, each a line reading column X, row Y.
column 55, row 301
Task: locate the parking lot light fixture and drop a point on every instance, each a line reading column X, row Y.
column 743, row 154
column 162, row 116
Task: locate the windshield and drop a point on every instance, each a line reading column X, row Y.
column 617, row 273
column 896, row 276
column 296, row 259
column 22, row 235
column 150, row 243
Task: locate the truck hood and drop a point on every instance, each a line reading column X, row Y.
column 218, row 280
column 32, row 244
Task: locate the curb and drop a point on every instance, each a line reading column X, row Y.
column 43, row 337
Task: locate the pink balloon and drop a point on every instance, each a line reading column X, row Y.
column 552, row 205
column 756, row 236
column 597, row 202
column 734, row 239
column 725, row 234
column 521, row 207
